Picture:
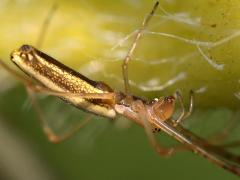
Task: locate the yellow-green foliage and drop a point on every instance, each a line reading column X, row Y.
column 88, row 35
column 81, row 34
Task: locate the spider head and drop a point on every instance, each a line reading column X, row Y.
column 164, row 107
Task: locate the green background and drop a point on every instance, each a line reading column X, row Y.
column 81, row 35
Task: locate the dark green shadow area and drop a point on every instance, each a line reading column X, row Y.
column 112, row 154
column 81, row 36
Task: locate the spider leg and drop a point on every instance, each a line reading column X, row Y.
column 51, row 135
column 139, row 107
column 184, row 114
column 133, row 47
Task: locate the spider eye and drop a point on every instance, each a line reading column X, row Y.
column 25, row 48
column 169, row 99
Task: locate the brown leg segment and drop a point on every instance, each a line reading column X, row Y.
column 139, row 107
column 184, row 114
column 41, row 89
column 51, row 135
column 133, row 47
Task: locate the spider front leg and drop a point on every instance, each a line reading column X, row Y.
column 184, row 114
